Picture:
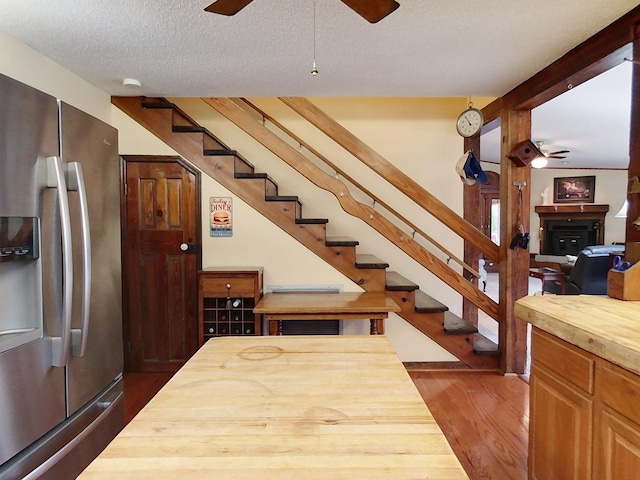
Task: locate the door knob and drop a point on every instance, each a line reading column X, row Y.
column 189, row 247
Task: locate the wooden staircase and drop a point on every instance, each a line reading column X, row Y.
column 228, row 167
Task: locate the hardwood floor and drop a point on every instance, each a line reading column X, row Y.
column 484, row 415
column 139, row 388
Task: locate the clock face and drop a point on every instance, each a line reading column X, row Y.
column 469, row 122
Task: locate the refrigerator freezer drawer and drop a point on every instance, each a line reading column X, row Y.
column 68, row 449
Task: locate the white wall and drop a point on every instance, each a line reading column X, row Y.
column 21, row 62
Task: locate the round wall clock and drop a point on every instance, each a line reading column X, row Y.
column 469, row 122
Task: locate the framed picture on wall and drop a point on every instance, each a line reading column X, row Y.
column 574, row 189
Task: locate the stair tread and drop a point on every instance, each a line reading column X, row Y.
column 157, row 103
column 219, row 152
column 366, row 260
column 251, row 175
column 340, row 242
column 427, row 304
column 188, row 129
column 483, row 346
column 395, row 281
column 282, row 198
column 453, row 324
column 312, row 221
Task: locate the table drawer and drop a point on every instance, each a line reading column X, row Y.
column 217, row 287
column 569, row 362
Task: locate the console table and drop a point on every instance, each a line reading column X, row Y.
column 374, row 306
column 546, row 274
column 275, row 408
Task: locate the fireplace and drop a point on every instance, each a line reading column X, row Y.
column 567, row 229
column 567, row 237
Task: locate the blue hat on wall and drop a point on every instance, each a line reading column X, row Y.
column 460, row 169
column 473, row 170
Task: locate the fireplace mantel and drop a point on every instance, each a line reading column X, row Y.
column 584, row 224
column 588, row 209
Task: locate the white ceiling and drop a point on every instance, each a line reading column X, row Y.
column 436, row 48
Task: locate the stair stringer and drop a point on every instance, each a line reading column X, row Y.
column 189, row 144
column 366, row 213
column 221, row 168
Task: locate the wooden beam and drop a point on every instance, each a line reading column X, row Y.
column 515, row 186
column 595, row 55
column 633, row 213
column 471, row 213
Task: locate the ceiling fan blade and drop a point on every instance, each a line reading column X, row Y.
column 227, row 7
column 372, row 10
column 555, row 156
column 558, row 152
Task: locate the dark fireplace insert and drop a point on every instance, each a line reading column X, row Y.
column 567, row 229
column 568, row 237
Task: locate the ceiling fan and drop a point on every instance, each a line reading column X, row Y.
column 547, row 154
column 371, row 10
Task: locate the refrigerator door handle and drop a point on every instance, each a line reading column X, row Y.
column 56, row 179
column 76, row 183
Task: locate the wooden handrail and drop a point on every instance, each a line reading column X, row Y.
column 392, row 174
column 323, row 180
column 362, row 188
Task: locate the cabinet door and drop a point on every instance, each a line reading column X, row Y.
column 560, row 429
column 617, row 447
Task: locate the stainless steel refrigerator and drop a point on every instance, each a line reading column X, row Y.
column 61, row 392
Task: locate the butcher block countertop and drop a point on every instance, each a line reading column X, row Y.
column 602, row 325
column 284, row 407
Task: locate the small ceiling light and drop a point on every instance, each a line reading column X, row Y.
column 131, row 82
column 539, row 162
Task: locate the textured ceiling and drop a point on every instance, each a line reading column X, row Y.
column 453, row 48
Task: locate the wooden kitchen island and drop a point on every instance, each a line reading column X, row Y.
column 284, row 407
column 585, row 387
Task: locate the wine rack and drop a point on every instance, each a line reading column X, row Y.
column 226, row 300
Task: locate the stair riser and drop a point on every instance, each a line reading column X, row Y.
column 290, row 208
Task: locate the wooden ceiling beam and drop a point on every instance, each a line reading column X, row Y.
column 601, row 52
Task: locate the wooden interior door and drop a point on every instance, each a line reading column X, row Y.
column 490, row 213
column 161, row 220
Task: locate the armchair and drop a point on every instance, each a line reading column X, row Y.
column 588, row 276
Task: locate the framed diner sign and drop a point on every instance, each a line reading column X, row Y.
column 221, row 216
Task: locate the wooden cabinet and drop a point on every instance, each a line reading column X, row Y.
column 617, row 434
column 561, row 411
column 584, row 416
column 226, row 299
